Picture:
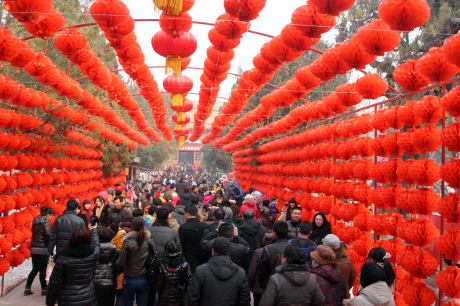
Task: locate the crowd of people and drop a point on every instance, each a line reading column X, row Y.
column 197, row 241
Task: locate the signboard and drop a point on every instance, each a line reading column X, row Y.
column 189, row 148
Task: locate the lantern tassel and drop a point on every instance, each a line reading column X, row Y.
column 177, row 100
column 169, row 7
column 181, row 116
column 181, row 141
column 173, row 65
column 46, row 47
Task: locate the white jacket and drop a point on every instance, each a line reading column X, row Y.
column 377, row 294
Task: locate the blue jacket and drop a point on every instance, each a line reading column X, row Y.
column 307, row 246
column 273, row 210
column 237, row 186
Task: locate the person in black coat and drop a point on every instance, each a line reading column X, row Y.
column 105, row 274
column 220, row 281
column 181, row 187
column 173, row 277
column 321, row 228
column 63, row 227
column 71, row 282
column 219, row 215
column 239, row 248
column 41, row 232
column 190, row 235
column 253, row 233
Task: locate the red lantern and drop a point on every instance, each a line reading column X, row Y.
column 294, row 39
column 426, row 139
column 222, row 43
column 407, row 115
column 109, row 13
column 333, row 62
column 434, row 66
column 451, row 101
column 282, row 52
column 445, row 281
column 376, row 38
column 422, row 233
column 428, row 109
column 310, row 22
column 371, row 86
column 332, row 7
column 404, row 15
column 244, row 10
column 424, row 172
column 408, row 76
column 46, row 28
column 450, row 49
column 176, row 25
column 231, row 27
column 450, row 137
column 424, row 201
column 174, row 48
column 421, row 264
column 352, row 52
column 24, row 10
column 319, row 70
column 306, row 78
column 177, row 84
column 418, row 295
column 446, row 244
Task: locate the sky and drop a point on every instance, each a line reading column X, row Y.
column 271, row 20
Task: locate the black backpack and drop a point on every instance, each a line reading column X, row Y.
column 151, row 263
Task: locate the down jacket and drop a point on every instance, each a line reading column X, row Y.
column 41, row 233
column 161, row 233
column 62, row 228
column 105, row 275
column 118, row 242
column 172, row 280
column 292, row 285
column 377, row 294
column 71, row 282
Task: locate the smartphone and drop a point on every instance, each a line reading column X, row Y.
column 93, row 220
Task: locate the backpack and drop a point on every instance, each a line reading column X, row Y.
column 151, row 263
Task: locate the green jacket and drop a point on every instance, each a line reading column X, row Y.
column 131, row 257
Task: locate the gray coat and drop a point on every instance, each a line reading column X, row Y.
column 62, row 228
column 161, row 232
column 292, row 285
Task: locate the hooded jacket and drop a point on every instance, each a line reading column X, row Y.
column 219, row 282
column 41, row 233
column 270, row 259
column 118, row 242
column 206, row 199
column 105, row 275
column 377, row 294
column 238, row 196
column 71, row 282
column 173, row 224
column 178, row 214
column 250, row 206
column 292, row 285
column 346, row 267
column 62, row 228
column 331, row 283
column 190, row 234
column 239, row 248
column 172, row 280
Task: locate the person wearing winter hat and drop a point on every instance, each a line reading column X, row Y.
column 328, row 276
column 343, row 261
column 249, row 203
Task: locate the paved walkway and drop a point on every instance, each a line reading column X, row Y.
column 16, row 295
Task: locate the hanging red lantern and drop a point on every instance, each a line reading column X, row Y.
column 282, row 52
column 24, row 10
column 424, row 201
column 352, row 52
column 176, row 25
column 310, row 22
column 371, row 86
column 449, row 172
column 332, row 61
column 294, row 39
column 420, row 264
column 450, row 49
column 407, row 115
column 109, row 13
column 446, row 244
column 404, row 15
column 46, row 27
column 426, row 139
column 174, row 48
column 319, row 70
column 418, row 295
column 332, row 7
column 306, row 78
column 451, row 101
column 408, row 76
column 222, row 43
column 348, row 95
column 434, row 66
column 177, row 84
column 422, row 233
column 231, row 27
column 376, row 38
column 450, row 137
column 424, row 172
column 244, row 10
column 428, row 109
column 10, row 46
column 445, row 281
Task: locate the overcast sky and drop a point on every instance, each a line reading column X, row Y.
column 271, row 20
